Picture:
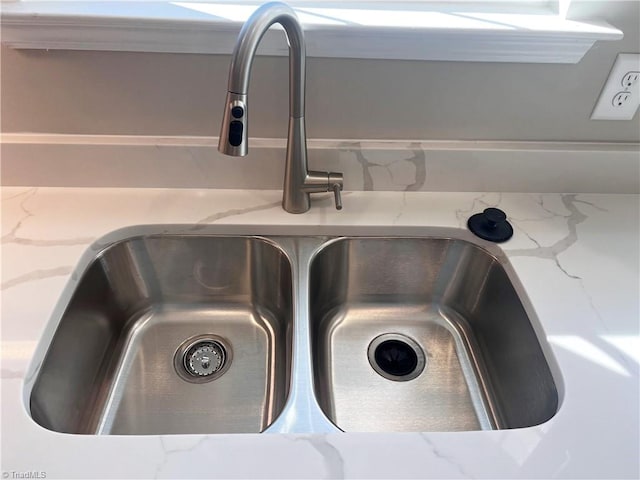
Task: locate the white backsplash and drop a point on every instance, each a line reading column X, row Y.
column 194, row 162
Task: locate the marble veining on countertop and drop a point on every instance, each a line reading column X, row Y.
column 577, row 256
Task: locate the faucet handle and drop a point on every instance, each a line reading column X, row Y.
column 336, row 184
column 338, row 197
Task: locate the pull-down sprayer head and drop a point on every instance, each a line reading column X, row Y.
column 233, row 134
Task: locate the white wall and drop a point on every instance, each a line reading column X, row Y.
column 177, row 94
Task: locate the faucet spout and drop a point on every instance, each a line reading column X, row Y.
column 299, row 182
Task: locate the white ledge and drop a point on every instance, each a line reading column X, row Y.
column 356, row 31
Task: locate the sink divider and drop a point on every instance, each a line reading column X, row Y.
column 301, row 414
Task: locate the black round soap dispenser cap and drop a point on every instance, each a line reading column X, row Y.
column 491, row 225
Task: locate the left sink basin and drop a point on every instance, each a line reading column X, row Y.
column 172, row 334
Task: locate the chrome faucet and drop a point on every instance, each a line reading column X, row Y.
column 298, row 181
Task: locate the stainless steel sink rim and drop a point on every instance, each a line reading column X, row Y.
column 301, row 413
column 183, row 358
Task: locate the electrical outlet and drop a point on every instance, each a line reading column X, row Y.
column 630, row 79
column 620, row 99
column 620, row 96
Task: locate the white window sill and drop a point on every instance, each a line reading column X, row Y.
column 347, row 31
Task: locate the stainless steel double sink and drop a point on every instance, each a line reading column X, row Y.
column 200, row 332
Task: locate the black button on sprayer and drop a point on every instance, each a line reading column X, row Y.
column 235, row 133
column 237, row 112
column 491, row 225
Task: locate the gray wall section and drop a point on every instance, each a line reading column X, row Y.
column 178, row 94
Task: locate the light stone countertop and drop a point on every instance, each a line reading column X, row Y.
column 577, row 256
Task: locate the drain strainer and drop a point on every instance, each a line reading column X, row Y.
column 396, row 357
column 202, row 359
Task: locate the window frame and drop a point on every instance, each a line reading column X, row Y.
column 150, row 26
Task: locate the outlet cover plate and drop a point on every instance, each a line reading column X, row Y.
column 606, row 108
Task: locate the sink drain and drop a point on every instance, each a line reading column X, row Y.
column 202, row 359
column 396, row 357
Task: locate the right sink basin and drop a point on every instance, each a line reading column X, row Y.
column 424, row 334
